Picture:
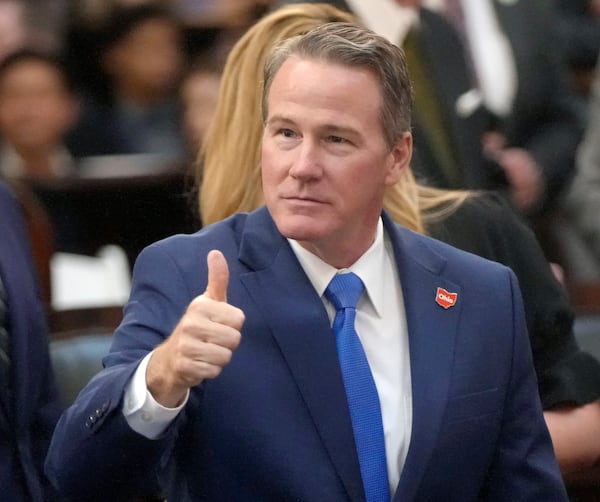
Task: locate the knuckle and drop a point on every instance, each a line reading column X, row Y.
column 236, row 340
column 186, row 324
column 181, row 366
column 227, row 355
column 212, row 370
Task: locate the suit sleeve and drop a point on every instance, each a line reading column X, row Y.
column 524, row 467
column 94, row 454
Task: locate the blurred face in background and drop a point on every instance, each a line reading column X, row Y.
column 146, row 63
column 199, row 94
column 36, row 107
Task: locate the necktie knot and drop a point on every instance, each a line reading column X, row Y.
column 344, row 290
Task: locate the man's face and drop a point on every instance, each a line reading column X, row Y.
column 325, row 162
column 36, row 109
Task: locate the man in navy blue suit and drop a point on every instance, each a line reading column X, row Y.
column 224, row 379
column 29, row 401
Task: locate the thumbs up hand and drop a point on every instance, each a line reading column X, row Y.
column 201, row 344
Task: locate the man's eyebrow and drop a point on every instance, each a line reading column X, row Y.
column 280, row 119
column 339, row 129
column 335, row 129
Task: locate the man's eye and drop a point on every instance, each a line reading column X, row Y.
column 336, row 139
column 287, row 133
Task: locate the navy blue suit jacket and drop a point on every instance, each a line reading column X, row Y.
column 275, row 425
column 26, row 428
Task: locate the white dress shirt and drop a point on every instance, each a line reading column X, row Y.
column 381, row 326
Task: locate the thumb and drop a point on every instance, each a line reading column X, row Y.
column 218, row 276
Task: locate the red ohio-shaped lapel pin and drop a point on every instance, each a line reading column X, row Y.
column 445, row 299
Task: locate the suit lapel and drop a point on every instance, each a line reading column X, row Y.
column 304, row 336
column 432, row 332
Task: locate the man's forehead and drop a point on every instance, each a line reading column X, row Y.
column 295, row 64
column 322, row 61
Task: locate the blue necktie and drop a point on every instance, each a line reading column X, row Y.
column 343, row 292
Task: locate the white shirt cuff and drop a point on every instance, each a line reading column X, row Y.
column 143, row 413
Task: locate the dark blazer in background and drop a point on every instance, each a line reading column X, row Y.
column 464, row 123
column 35, row 405
column 274, row 425
column 544, row 117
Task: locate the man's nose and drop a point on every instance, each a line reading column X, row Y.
column 307, row 163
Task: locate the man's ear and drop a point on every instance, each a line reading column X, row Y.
column 399, row 158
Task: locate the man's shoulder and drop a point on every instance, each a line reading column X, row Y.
column 225, row 233
column 252, row 234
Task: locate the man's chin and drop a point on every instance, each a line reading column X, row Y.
column 299, row 228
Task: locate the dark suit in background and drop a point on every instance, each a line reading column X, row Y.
column 544, row 118
column 31, row 411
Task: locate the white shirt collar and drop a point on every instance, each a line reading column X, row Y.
column 370, row 267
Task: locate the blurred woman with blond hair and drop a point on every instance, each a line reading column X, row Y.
column 230, row 182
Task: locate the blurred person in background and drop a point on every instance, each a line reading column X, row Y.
column 582, row 203
column 29, row 400
column 199, row 92
column 534, row 126
column 142, row 57
column 37, row 110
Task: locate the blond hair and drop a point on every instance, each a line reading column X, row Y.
column 229, row 162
